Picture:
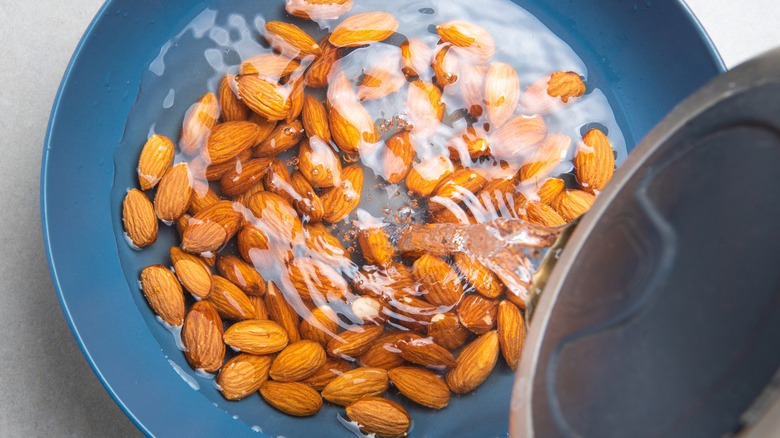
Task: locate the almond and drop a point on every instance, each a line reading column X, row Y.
column 277, row 181
column 181, row 224
column 384, row 353
column 362, row 29
column 270, row 66
column 474, row 364
column 446, row 66
column 380, row 417
column 397, row 157
column 479, row 276
column 340, row 201
column 201, row 117
column 502, row 92
column 355, row 385
column 297, row 88
column 376, row 246
column 275, row 217
column 478, row 313
column 572, row 204
column 384, row 282
column 266, row 127
column 229, row 139
column 251, row 240
column 543, row 214
column 511, row 333
column 351, row 126
column 331, row 369
column 325, row 246
column 203, row 201
column 298, row 361
column 421, row 386
column 292, row 398
column 456, row 187
column 174, row 193
column 290, row 40
column 164, row 294
column 230, row 301
column 319, row 163
column 156, row 157
column 544, row 160
column 472, row 88
column 425, row 107
column 202, row 337
column 594, row 162
column 282, row 312
column 500, row 197
column 425, row 176
column 230, row 105
column 320, row 326
column 550, row 189
column 241, row 178
column 353, row 342
column 315, row 280
column 265, row 97
column 259, row 305
column 193, row 273
column 368, row 310
column 282, row 138
column 475, row 43
column 445, row 329
column 381, row 80
column 242, row 375
column 319, row 72
column 318, row 9
column 453, row 214
column 518, row 138
column 425, row 352
column 256, row 336
column 216, row 171
column 412, row 312
column 315, row 119
column 470, row 143
column 308, row 204
column 416, row 57
column 139, row 219
column 552, row 92
column 202, row 236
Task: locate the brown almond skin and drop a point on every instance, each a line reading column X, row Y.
column 319, row 72
column 281, row 311
column 139, row 219
column 511, row 333
column 174, row 193
column 298, row 361
column 376, row 246
column 384, row 352
column 421, row 386
column 256, row 336
column 450, row 189
column 594, row 162
column 362, row 29
column 479, row 276
column 351, row 343
column 259, row 305
column 308, row 204
column 544, row 160
column 340, row 201
column 471, row 142
column 283, row 137
column 381, row 417
column 543, row 214
column 474, row 364
column 230, row 301
column 571, row 204
column 398, row 157
column 156, row 157
column 163, row 293
column 201, row 235
column 203, row 201
column 276, row 217
column 241, row 274
column 478, row 313
column 315, row 280
column 235, row 182
column 446, row 330
column 319, row 163
column 292, row 398
column 230, row 105
column 229, row 139
column 550, row 189
column 425, row 352
column 264, row 97
column 331, row 369
column 202, row 337
column 355, row 385
column 290, row 40
column 198, row 122
column 214, row 172
column 437, row 278
column 192, row 272
column 423, row 178
column 243, row 375
column 251, row 240
column 315, row 119
column 320, row 326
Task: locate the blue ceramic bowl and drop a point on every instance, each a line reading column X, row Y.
column 645, row 56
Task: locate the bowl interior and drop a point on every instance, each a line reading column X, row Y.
column 90, row 157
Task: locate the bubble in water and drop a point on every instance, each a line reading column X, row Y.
column 349, row 158
column 351, row 250
column 404, row 215
column 386, row 210
column 414, row 203
column 350, row 235
column 289, row 131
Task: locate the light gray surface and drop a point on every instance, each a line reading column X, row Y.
column 46, row 386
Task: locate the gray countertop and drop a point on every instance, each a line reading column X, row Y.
column 46, row 386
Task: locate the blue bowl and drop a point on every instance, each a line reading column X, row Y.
column 645, row 56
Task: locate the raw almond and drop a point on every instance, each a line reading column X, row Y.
column 270, row 66
column 290, row 40
column 355, row 385
column 319, row 72
column 156, row 157
column 275, row 217
column 292, row 398
column 282, row 312
column 230, row 105
column 384, row 353
column 216, row 171
column 282, row 138
column 550, row 189
column 308, row 204
column 251, row 240
column 201, row 117
column 174, row 193
column 230, row 301
column 351, row 126
column 163, row 293
column 502, row 92
column 241, row 274
column 385, row 281
column 412, row 312
column 201, row 235
column 552, row 92
column 381, row 80
column 319, row 163
column 229, row 139
column 572, row 204
column 297, row 361
column 421, row 386
column 202, row 337
column 511, row 333
column 518, row 138
column 353, row 342
column 500, row 197
column 331, row 369
column 546, row 158
column 376, row 246
column 425, row 352
column 193, row 273
column 425, row 107
column 340, row 201
column 478, row 313
column 456, row 187
column 320, row 326
column 475, row 42
column 203, row 201
column 453, row 214
column 315, row 119
column 259, row 305
column 425, row 176
column 318, row 9
column 241, row 178
column 256, row 336
column 472, row 88
column 315, row 280
column 277, row 181
column 416, row 57
column 543, row 214
column 243, row 375
column 445, row 329
column 397, row 157
column 474, row 364
column 470, row 143
column 362, row 29
column 139, row 219
column 479, row 276
column 594, row 162
column 265, row 97
column 325, row 246
column 446, row 66
column 380, row 417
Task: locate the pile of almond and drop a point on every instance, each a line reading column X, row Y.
column 331, row 323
